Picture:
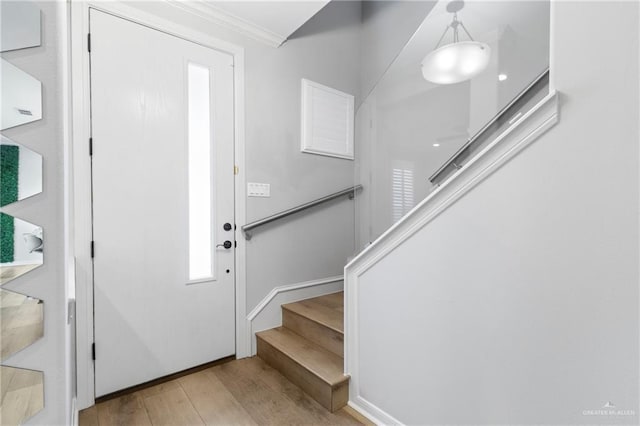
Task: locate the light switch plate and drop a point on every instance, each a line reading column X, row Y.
column 258, row 189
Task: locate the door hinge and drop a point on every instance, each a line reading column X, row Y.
column 93, row 351
column 236, row 170
column 93, row 250
column 89, row 42
column 90, row 146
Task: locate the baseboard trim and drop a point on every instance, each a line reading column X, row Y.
column 289, row 287
column 372, row 412
column 269, row 298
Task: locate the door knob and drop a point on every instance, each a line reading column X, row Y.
column 227, row 244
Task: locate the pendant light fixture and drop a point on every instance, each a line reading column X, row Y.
column 457, row 61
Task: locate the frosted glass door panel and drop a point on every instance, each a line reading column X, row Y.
column 200, row 192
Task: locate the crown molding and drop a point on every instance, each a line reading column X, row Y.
column 229, row 21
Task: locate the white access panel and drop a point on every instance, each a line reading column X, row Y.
column 327, row 121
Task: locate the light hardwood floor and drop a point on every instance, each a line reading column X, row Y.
column 241, row 392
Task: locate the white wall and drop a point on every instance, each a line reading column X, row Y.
column 51, row 353
column 327, row 49
column 315, row 244
column 519, row 303
column 387, row 26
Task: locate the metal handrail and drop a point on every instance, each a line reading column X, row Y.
column 479, row 133
column 249, row 226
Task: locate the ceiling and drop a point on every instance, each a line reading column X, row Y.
column 528, row 21
column 271, row 22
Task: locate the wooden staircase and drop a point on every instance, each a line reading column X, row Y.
column 309, row 347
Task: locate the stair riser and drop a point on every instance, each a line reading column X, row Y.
column 331, row 398
column 324, row 336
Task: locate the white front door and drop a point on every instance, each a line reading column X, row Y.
column 163, row 184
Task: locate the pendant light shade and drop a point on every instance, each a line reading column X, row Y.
column 456, row 62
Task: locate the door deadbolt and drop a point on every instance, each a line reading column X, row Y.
column 226, row 226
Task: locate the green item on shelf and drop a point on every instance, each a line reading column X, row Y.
column 7, row 229
column 9, row 168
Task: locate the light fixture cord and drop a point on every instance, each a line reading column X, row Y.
column 442, row 37
column 454, row 26
column 467, row 32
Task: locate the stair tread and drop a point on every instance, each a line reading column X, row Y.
column 326, row 310
column 326, row 365
column 332, row 300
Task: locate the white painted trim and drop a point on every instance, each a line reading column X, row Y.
column 64, row 36
column 229, row 21
column 81, row 199
column 269, row 298
column 289, row 287
column 81, row 172
column 372, row 412
column 518, row 136
column 242, row 350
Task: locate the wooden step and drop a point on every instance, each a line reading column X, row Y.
column 320, row 320
column 316, row 370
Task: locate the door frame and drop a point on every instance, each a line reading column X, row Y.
column 80, row 196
